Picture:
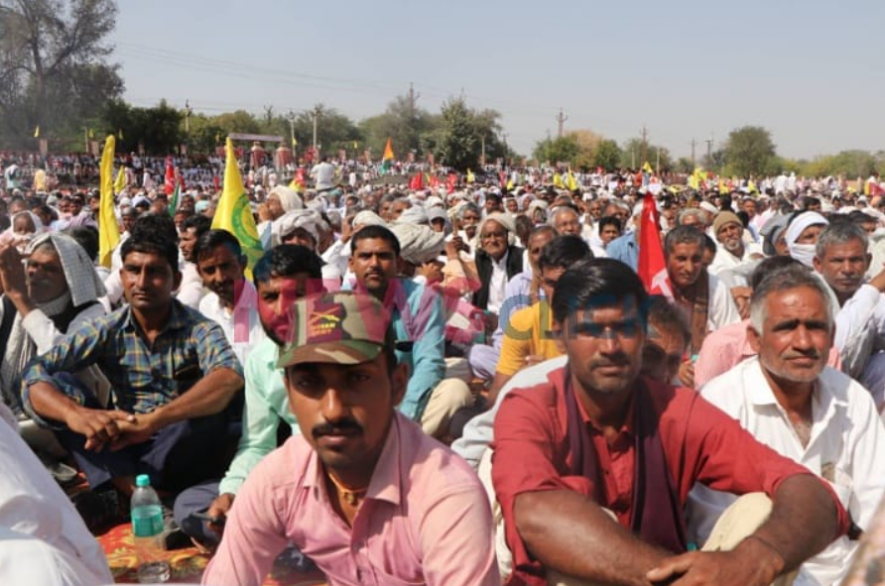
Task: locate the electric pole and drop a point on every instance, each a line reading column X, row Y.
column 292, row 131
column 560, row 120
column 644, row 144
column 709, row 142
column 316, row 115
column 483, row 157
column 693, row 144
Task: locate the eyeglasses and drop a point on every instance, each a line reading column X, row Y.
column 490, row 235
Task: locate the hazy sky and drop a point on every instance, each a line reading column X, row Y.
column 811, row 71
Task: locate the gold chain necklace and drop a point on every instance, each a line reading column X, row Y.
column 351, row 496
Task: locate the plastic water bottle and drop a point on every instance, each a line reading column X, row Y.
column 147, row 533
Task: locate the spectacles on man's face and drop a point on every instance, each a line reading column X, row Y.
column 495, row 235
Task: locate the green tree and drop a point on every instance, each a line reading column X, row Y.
column 408, row 128
column 631, row 155
column 608, row 155
column 458, row 141
column 334, row 130
column 53, row 66
column 749, row 151
column 158, row 129
column 563, row 149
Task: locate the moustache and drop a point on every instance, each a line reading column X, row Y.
column 814, row 354
column 341, row 427
column 616, row 360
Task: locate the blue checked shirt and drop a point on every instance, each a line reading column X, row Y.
column 143, row 376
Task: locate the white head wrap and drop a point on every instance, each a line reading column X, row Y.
column 804, row 253
column 368, row 218
column 83, row 282
column 289, row 198
column 418, row 244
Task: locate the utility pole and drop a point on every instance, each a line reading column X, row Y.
column 316, row 114
column 292, row 131
column 483, row 157
column 693, row 144
column 560, row 120
column 413, row 98
column 187, row 123
column 709, row 142
column 644, row 144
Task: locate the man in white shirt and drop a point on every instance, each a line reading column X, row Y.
column 790, row 400
column 732, row 251
column 841, row 259
column 232, row 301
column 323, row 174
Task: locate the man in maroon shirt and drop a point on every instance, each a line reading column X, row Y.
column 593, row 467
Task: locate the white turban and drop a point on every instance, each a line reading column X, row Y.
column 804, row 253
column 368, row 218
column 289, row 198
column 415, row 215
column 418, row 244
column 307, row 219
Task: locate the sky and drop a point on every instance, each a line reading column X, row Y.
column 810, row 71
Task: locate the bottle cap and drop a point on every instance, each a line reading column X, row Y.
column 142, row 480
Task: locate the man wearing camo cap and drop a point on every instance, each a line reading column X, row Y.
column 362, row 491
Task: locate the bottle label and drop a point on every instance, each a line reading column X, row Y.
column 147, row 522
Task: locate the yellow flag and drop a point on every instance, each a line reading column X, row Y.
column 470, row 176
column 694, row 182
column 37, row 132
column 557, row 180
column 570, row 181
column 751, row 186
column 510, row 185
column 647, row 168
column 295, row 186
column 294, row 141
column 234, row 212
column 120, row 183
column 108, row 231
column 120, row 134
column 91, row 133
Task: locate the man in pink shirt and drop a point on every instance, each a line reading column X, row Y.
column 727, row 347
column 363, row 491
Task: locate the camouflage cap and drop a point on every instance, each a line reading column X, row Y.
column 338, row 328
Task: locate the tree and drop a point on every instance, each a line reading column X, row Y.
column 631, row 155
column 749, row 151
column 563, row 149
column 53, row 68
column 607, row 155
column 407, row 126
column 458, row 143
column 157, row 129
column 334, row 130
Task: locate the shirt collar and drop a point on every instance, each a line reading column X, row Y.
column 823, row 400
column 503, row 262
column 178, row 318
column 385, row 483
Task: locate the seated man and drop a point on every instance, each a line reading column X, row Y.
column 42, row 538
column 527, row 338
column 191, row 290
column 285, row 273
column 705, row 300
column 54, row 292
column 171, row 370
column 362, row 491
column 789, row 400
column 232, row 298
column 597, row 459
column 728, row 346
column 417, row 315
column 841, row 258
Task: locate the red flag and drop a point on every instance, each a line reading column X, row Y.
column 299, row 176
column 652, row 264
column 417, row 182
column 434, row 181
column 451, row 181
column 502, row 179
column 169, row 185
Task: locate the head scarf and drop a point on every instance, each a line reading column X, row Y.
column 415, row 215
column 804, row 253
column 504, row 220
column 418, row 244
column 306, row 219
column 368, row 218
column 289, row 198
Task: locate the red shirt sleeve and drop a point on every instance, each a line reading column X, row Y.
column 529, row 456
